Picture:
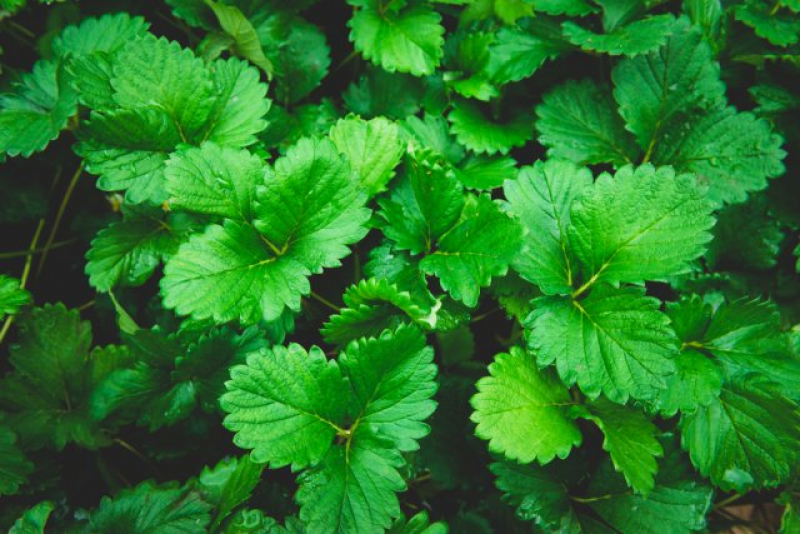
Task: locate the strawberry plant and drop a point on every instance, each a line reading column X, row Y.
column 399, row 265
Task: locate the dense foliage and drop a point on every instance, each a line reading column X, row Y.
column 477, row 265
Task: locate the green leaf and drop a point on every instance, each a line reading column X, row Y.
column 289, row 405
column 34, row 520
column 103, row 34
column 419, row 524
column 157, row 72
column 467, row 57
column 150, row 508
column 578, row 121
column 239, row 104
column 127, row 252
column 554, row 498
column 245, row 39
column 677, row 504
column 353, row 489
column 482, row 134
column 483, row 173
column 229, row 484
column 696, row 382
column 166, row 380
column 403, row 40
column 214, row 180
column 306, row 215
column 373, row 148
column 571, row 8
column 128, row 150
column 301, row 56
column 46, row 395
column 37, row 110
column 744, row 439
column 541, row 197
column 371, row 306
column 778, row 27
column 746, row 236
column 631, row 39
column 285, row 405
column 378, row 92
column 630, row 439
column 480, row 246
column 392, row 378
column 615, row 342
column 642, row 224
column 424, row 204
column 14, row 467
column 538, row 494
column 660, row 88
column 736, row 153
column 399, row 268
column 12, row 296
column 745, row 336
column 433, row 132
column 523, row 411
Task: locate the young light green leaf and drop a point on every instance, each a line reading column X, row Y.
column 285, row 405
column 523, row 411
column 482, row 245
column 12, row 296
column 615, row 342
column 403, row 40
column 245, row 38
column 34, row 520
column 578, row 121
column 744, row 439
column 228, row 485
column 541, row 197
column 373, row 148
column 642, row 224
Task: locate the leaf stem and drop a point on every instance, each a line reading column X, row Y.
column 581, row 290
column 26, row 271
column 483, row 316
column 25, row 253
column 326, row 302
column 728, row 501
column 59, row 215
